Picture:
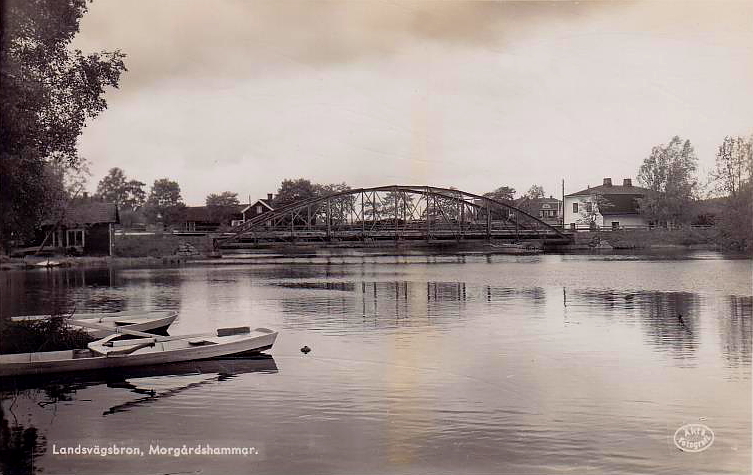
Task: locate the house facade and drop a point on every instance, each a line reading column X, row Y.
column 86, row 227
column 548, row 210
column 258, row 208
column 608, row 205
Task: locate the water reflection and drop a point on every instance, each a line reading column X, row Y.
column 428, row 364
column 669, row 319
column 19, row 446
column 736, row 330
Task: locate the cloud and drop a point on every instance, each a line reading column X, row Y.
column 169, row 38
column 239, row 95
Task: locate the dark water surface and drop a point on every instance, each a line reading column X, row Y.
column 420, row 364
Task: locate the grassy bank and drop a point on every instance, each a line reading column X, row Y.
column 706, row 238
column 161, row 245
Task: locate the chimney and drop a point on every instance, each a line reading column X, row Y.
column 85, row 195
column 607, row 182
column 627, row 182
column 269, row 196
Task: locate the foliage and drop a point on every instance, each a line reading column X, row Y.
column 669, row 172
column 222, row 206
column 503, row 193
column 590, row 209
column 292, row 190
column 392, row 202
column 224, row 199
column 340, row 206
column 535, row 192
column 733, row 167
column 445, row 206
column 51, row 334
column 48, row 91
column 164, row 203
column 733, row 178
column 301, row 189
column 116, row 188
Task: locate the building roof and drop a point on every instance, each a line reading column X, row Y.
column 533, row 202
column 612, row 190
column 87, row 212
column 263, row 201
column 619, row 204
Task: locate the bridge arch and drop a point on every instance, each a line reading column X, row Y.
column 398, row 212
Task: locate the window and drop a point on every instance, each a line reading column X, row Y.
column 75, row 237
column 541, row 213
column 572, row 226
column 258, row 209
column 589, row 207
column 575, row 207
column 615, row 225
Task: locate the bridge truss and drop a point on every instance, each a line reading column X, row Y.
column 395, row 212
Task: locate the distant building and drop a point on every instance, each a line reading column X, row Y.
column 548, row 210
column 258, row 208
column 86, row 227
column 609, row 205
column 204, row 219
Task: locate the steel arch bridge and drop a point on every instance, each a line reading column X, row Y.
column 395, row 212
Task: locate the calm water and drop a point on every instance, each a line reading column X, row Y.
column 420, row 364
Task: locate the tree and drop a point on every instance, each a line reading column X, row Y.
column 164, row 203
column 340, row 206
column 48, row 91
column 535, row 192
column 669, row 172
column 291, row 191
column 734, row 166
column 733, row 178
column 222, row 206
column 116, row 188
column 503, row 193
column 590, row 209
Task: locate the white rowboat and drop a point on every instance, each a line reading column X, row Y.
column 152, row 322
column 149, row 350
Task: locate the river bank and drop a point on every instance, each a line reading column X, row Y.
column 168, row 249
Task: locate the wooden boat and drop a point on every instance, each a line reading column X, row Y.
column 147, row 350
column 156, row 322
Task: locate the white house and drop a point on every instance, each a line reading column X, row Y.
column 609, row 205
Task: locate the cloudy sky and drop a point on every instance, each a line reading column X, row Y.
column 238, row 95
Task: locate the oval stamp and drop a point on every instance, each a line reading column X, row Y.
column 694, row 437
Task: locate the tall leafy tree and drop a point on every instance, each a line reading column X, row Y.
column 734, row 166
column 732, row 178
column 222, row 206
column 48, row 91
column 117, row 188
column 503, row 193
column 669, row 172
column 292, row 190
column 164, row 203
column 535, row 192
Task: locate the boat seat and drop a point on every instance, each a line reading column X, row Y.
column 233, row 331
column 200, row 342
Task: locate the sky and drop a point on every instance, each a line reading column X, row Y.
column 225, row 95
